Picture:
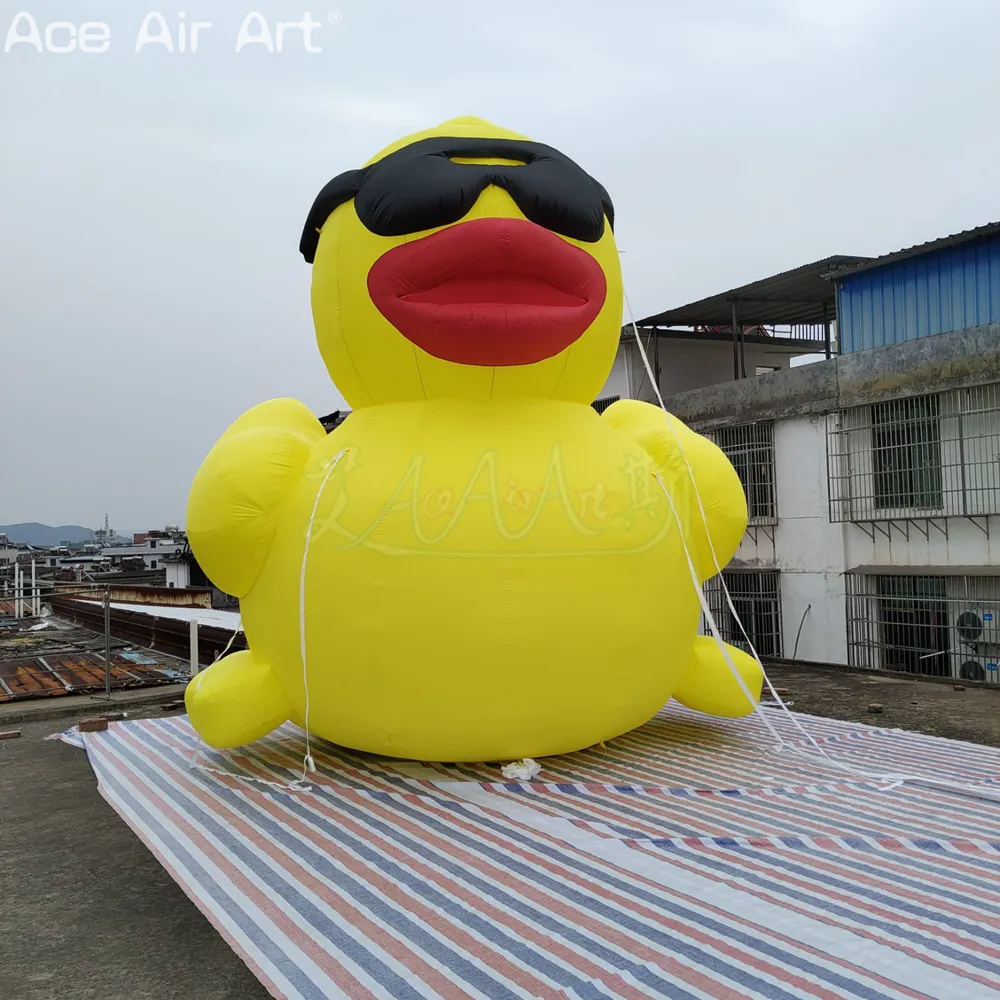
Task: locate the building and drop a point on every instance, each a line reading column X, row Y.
column 873, row 477
column 8, row 560
column 152, row 547
column 8, row 550
column 949, row 284
column 752, row 330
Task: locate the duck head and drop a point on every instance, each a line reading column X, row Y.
column 465, row 262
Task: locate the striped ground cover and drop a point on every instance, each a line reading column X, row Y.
column 694, row 858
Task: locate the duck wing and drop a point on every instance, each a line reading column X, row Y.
column 673, row 446
column 238, row 494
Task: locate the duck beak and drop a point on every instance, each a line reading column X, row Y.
column 489, row 292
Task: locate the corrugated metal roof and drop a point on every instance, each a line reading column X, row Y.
column 966, row 236
column 80, row 672
column 954, row 287
column 49, row 657
column 793, row 298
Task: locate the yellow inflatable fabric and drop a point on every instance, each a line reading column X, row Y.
column 475, row 564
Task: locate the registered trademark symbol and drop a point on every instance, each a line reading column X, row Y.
column 335, row 17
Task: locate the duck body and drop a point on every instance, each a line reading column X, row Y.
column 501, row 594
column 475, row 565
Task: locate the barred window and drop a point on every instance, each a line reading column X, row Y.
column 602, row 404
column 756, row 597
column 750, row 447
column 938, row 626
column 906, row 453
column 930, row 456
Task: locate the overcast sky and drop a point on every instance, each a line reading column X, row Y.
column 150, row 282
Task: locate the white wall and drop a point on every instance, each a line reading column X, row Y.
column 807, row 549
column 178, row 575
column 813, row 554
column 965, row 544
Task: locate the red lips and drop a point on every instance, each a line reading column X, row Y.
column 489, row 292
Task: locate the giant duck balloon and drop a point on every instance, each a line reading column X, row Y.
column 475, row 565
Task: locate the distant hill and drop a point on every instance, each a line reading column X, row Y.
column 45, row 536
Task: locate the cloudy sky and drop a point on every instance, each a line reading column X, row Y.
column 150, row 282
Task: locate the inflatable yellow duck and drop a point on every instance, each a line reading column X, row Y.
column 474, row 566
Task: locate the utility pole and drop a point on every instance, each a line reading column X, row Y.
column 107, row 643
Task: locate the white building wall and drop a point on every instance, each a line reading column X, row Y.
column 149, row 552
column 803, row 546
column 812, row 553
column 965, row 544
column 178, row 575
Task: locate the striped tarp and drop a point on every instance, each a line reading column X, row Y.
column 691, row 859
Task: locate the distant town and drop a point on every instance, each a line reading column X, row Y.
column 158, row 558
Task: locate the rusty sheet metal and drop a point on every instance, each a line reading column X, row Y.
column 78, row 673
column 188, row 597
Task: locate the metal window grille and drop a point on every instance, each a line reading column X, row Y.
column 936, row 455
column 756, row 597
column 602, row 404
column 750, row 447
column 938, row 626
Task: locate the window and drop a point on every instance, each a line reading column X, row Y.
column 913, row 624
column 756, row 596
column 930, row 456
column 602, row 404
column 906, row 454
column 152, row 544
column 153, row 564
column 939, row 626
column 750, row 447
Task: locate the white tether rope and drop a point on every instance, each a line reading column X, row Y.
column 308, row 764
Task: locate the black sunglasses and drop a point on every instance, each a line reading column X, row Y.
column 421, row 187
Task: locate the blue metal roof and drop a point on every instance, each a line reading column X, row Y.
column 965, row 236
column 948, row 284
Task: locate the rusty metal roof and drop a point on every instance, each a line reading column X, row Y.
column 66, row 659
column 81, row 672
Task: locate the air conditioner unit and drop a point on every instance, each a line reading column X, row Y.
column 977, row 645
